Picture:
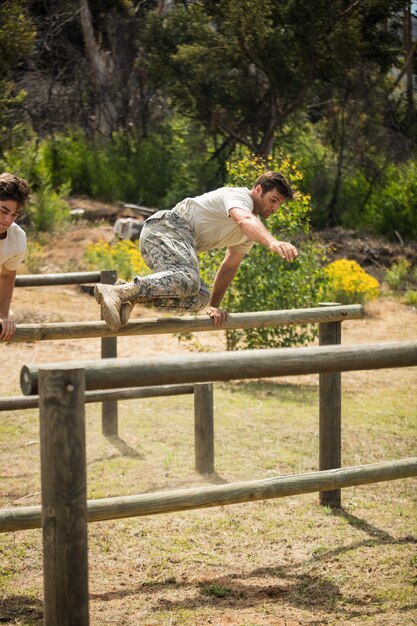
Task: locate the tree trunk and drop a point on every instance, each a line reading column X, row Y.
column 408, row 46
column 101, row 64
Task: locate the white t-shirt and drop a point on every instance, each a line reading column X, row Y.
column 13, row 248
column 209, row 216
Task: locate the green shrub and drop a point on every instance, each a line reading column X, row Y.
column 34, row 257
column 48, row 210
column 397, row 275
column 410, row 297
column 391, row 205
column 159, row 170
column 348, row 283
column 113, row 169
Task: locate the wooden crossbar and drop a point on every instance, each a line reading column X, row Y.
column 199, row 323
column 179, row 368
column 24, row 518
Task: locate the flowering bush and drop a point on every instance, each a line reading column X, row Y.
column 349, row 283
column 125, row 257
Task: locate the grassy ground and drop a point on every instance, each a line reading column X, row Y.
column 287, row 561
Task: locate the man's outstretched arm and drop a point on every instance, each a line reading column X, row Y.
column 254, row 230
column 224, row 276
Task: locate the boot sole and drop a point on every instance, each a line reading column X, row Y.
column 105, row 312
column 98, row 294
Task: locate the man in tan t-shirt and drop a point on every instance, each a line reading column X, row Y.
column 170, row 241
column 14, row 193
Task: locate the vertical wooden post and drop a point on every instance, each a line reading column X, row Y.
column 204, row 428
column 330, row 424
column 109, row 414
column 64, row 504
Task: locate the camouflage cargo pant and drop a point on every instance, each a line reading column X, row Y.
column 167, row 245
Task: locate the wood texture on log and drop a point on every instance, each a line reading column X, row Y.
column 246, row 364
column 24, row 518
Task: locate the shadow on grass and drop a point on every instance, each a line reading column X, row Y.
column 361, row 524
column 123, row 447
column 284, row 391
column 239, row 592
column 280, row 583
column 215, row 479
column 17, row 608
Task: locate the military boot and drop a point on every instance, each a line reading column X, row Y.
column 111, row 298
column 126, row 308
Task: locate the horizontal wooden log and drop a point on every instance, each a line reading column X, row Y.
column 24, row 518
column 200, row 368
column 163, row 325
column 32, row 402
column 45, row 280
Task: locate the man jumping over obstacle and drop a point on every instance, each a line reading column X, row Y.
column 170, row 241
column 14, row 193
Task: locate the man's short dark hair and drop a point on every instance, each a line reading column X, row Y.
column 14, row 188
column 275, row 180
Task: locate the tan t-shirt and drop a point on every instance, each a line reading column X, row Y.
column 209, row 216
column 13, row 248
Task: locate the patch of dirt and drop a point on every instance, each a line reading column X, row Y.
column 64, row 251
column 94, row 210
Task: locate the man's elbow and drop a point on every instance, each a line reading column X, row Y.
column 244, row 220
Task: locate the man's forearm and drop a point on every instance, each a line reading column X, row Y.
column 256, row 231
column 6, row 293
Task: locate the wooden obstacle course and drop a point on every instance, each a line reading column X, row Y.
column 328, row 315
column 62, row 404
column 192, row 324
column 109, row 414
column 36, row 332
column 64, row 506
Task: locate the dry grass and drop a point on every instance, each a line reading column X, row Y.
column 287, row 561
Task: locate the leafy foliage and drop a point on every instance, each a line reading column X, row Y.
column 392, row 206
column 401, row 276
column 47, row 208
column 410, row 297
column 17, row 36
column 244, row 67
column 396, row 275
column 157, row 171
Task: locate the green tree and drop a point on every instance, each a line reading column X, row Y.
column 244, row 67
column 17, row 36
